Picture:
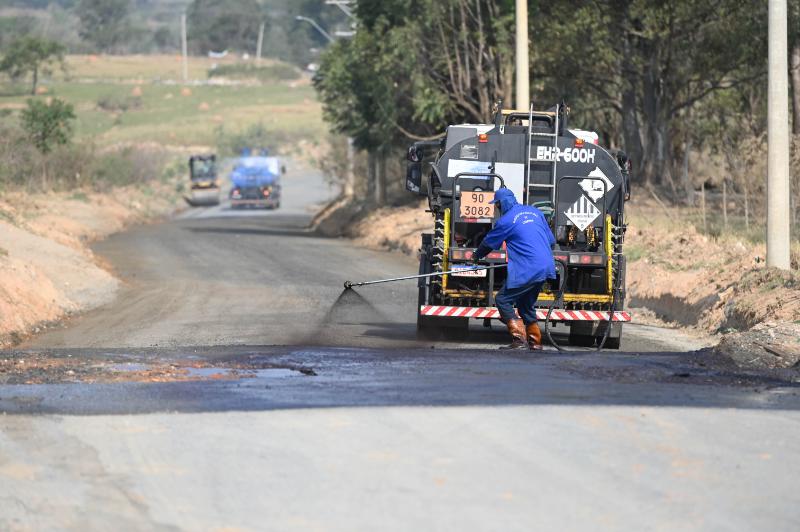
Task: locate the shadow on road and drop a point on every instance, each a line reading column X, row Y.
column 290, row 231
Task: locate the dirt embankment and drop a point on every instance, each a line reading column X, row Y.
column 718, row 285
column 47, row 270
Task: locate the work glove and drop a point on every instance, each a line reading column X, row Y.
column 479, row 254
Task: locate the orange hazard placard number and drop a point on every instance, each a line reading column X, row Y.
column 476, row 205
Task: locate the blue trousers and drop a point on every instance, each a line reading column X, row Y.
column 524, row 297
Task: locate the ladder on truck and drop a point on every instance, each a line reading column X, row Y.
column 533, row 160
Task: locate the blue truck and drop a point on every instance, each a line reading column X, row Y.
column 255, row 180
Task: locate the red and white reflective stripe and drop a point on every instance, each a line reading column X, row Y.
column 493, row 313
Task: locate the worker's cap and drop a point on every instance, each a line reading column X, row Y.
column 504, row 194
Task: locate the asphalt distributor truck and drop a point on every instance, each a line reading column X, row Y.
column 579, row 186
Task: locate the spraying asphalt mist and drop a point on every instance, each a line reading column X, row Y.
column 352, row 308
column 349, row 309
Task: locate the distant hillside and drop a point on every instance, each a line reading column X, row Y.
column 153, row 26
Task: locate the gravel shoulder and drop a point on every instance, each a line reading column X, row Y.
column 48, row 270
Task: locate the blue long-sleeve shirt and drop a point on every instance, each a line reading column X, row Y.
column 529, row 241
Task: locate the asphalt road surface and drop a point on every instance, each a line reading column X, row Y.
column 351, row 423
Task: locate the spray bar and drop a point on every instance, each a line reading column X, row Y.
column 349, row 284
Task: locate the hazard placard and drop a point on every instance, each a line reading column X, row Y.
column 594, row 188
column 582, row 213
column 476, row 205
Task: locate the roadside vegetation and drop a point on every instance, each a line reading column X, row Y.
column 680, row 86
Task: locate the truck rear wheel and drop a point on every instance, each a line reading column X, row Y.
column 611, row 343
column 581, row 340
column 435, row 327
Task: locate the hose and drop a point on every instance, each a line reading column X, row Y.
column 610, row 318
column 616, row 253
column 557, row 296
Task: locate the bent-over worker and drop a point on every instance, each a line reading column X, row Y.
column 529, row 244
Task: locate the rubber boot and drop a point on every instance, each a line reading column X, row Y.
column 517, row 330
column 534, row 335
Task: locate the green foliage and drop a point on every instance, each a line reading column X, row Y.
column 13, row 28
column 218, row 25
column 126, row 166
column 30, row 55
column 636, row 71
column 23, row 165
column 403, row 76
column 256, row 136
column 276, row 72
column 48, row 124
column 104, row 23
column 115, row 102
column 79, row 195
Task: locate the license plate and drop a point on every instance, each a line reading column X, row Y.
column 476, row 205
column 469, row 273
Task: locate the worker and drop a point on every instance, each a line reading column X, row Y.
column 529, row 242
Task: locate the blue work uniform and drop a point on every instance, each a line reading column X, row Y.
column 529, row 244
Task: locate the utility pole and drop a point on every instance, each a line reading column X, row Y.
column 778, row 189
column 184, row 50
column 260, row 42
column 523, row 74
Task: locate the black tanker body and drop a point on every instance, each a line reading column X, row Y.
column 580, row 187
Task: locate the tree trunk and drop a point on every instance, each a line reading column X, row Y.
column 35, row 80
column 349, row 186
column 658, row 169
column 795, row 76
column 654, row 141
column 380, row 182
column 371, row 175
column 631, row 130
column 686, row 181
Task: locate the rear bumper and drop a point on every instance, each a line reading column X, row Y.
column 493, row 314
column 257, row 202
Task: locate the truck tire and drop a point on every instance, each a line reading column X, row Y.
column 456, row 329
column 614, row 339
column 425, row 325
column 581, row 340
column 611, row 343
column 435, row 327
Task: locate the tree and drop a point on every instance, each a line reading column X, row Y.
column 48, row 124
column 12, row 28
column 104, row 23
column 650, row 62
column 218, row 25
column 404, row 77
column 29, row 55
